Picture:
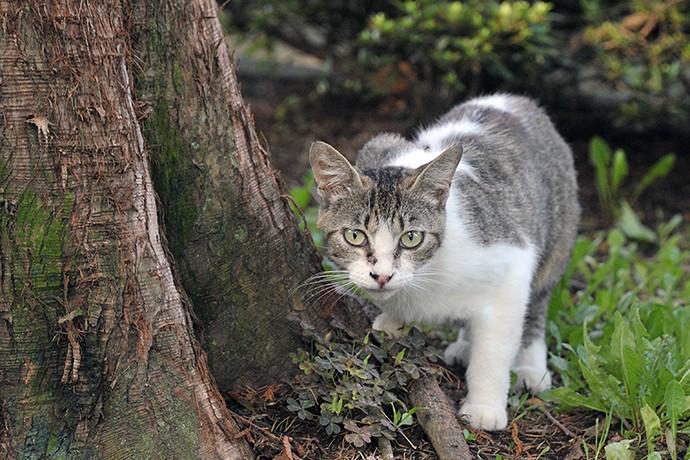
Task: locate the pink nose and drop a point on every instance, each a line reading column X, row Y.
column 381, row 279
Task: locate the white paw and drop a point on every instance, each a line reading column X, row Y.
column 458, row 352
column 533, row 379
column 386, row 323
column 488, row 417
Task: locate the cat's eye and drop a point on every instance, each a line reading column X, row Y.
column 411, row 239
column 355, row 237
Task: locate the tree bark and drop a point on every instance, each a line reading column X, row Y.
column 238, row 247
column 97, row 353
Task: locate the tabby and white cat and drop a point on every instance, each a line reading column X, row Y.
column 472, row 220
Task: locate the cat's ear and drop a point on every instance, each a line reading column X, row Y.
column 435, row 178
column 334, row 175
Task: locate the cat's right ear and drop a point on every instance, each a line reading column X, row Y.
column 434, row 179
column 334, row 175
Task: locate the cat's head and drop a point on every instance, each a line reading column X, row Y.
column 381, row 225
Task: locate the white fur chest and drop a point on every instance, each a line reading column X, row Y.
column 463, row 278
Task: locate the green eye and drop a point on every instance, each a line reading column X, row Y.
column 355, row 237
column 411, row 239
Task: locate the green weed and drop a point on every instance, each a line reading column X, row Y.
column 455, row 42
column 611, row 171
column 623, row 339
column 355, row 385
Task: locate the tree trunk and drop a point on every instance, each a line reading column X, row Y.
column 97, row 353
column 238, row 247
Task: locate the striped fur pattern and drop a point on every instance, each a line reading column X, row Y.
column 472, row 220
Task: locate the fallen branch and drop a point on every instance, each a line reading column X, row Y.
column 439, row 420
column 385, row 448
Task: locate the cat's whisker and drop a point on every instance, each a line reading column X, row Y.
column 321, row 295
column 317, row 283
column 325, row 277
column 421, row 287
column 326, row 286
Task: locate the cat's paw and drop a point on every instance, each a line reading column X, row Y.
column 388, row 324
column 532, row 379
column 458, row 352
column 490, row 417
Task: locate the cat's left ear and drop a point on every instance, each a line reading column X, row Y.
column 334, row 175
column 436, row 177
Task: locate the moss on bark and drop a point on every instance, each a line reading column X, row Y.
column 239, row 251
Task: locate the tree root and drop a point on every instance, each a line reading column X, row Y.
column 439, row 420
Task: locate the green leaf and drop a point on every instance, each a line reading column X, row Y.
column 652, row 425
column 630, row 224
column 658, row 170
column 619, row 450
column 399, row 357
column 301, row 196
column 604, row 386
column 468, row 435
column 407, row 418
column 600, row 157
column 674, row 399
column 569, row 399
column 625, row 352
column 619, row 171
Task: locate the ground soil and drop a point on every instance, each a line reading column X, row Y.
column 290, row 120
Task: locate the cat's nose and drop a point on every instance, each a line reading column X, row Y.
column 381, row 279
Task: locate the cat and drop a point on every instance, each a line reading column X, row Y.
column 472, row 221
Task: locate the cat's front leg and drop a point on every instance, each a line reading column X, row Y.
column 495, row 336
column 388, row 324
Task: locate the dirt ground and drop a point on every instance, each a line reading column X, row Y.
column 290, row 122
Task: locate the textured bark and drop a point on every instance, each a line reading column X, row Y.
column 97, row 353
column 240, row 252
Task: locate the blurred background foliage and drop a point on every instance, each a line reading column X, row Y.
column 626, row 60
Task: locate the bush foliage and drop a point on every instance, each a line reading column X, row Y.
column 634, row 53
column 456, row 43
column 644, row 50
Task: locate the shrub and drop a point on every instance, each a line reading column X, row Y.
column 456, row 43
column 643, row 47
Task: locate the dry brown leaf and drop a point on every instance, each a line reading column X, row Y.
column 42, row 125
